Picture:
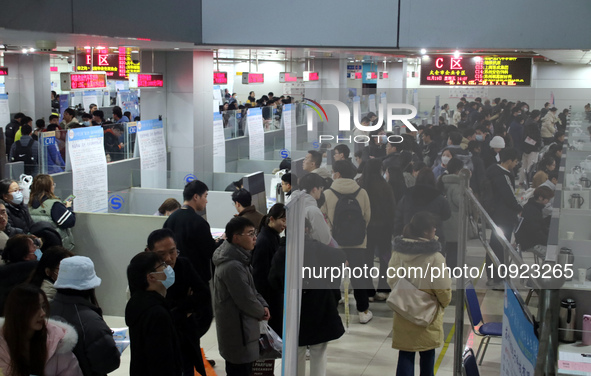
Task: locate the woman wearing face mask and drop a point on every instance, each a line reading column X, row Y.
column 75, row 303
column 48, row 269
column 20, row 256
column 45, row 206
column 19, row 219
column 29, row 343
column 268, row 242
column 440, row 169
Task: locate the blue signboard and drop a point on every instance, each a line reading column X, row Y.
column 116, row 202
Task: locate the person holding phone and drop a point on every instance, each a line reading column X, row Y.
column 44, row 205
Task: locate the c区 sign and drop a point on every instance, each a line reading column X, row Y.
column 117, row 63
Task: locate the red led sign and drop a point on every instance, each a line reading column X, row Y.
column 3, row 71
column 385, row 74
column 358, row 75
column 290, row 78
column 117, row 63
column 256, row 78
column 476, row 71
column 53, row 69
column 150, row 80
column 220, row 78
column 371, row 75
column 313, row 76
column 87, row 81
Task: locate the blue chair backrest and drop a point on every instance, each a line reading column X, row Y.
column 470, row 366
column 473, row 304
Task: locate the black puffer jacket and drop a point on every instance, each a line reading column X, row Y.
column 422, row 198
column 13, row 274
column 502, row 187
column 534, row 228
column 96, row 350
column 19, row 218
column 532, row 130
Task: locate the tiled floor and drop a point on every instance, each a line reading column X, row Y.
column 365, row 350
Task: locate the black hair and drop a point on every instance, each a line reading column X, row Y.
column 345, row 168
column 553, row 174
column 118, row 126
column 343, row 149
column 117, row 111
column 51, row 117
column 420, row 223
column 455, row 137
column 285, row 164
column 460, row 105
column 370, row 115
column 5, row 186
column 508, row 154
column 545, row 162
column 277, row 211
column 534, row 114
column 51, row 259
column 454, row 165
column 286, row 178
column 316, row 157
column 70, row 112
column 426, row 177
column 242, row 196
column 128, row 114
column 195, row 187
column 26, row 129
column 86, row 115
column 39, row 123
column 99, row 113
column 236, row 226
column 472, row 145
column 468, row 132
column 417, row 166
column 365, row 119
column 16, row 249
column 158, row 235
column 310, row 181
column 140, row 265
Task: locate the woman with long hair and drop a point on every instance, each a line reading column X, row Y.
column 47, row 270
column 416, row 249
column 76, row 303
column 267, row 244
column 45, row 206
column 381, row 224
column 547, row 164
column 29, row 343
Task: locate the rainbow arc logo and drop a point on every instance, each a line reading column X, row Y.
column 318, row 106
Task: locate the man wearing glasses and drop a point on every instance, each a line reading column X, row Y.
column 189, row 300
column 237, row 304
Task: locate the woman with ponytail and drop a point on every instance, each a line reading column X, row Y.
column 419, row 252
column 268, row 242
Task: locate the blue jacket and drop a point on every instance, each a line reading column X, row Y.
column 516, row 132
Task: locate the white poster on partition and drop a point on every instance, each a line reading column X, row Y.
column 256, row 134
column 4, row 110
column 383, row 104
column 520, row 344
column 219, row 144
column 88, row 98
column 86, row 156
column 217, row 98
column 287, row 126
column 152, row 150
column 372, row 103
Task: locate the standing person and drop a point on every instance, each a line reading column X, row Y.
column 19, row 219
column 418, row 248
column 113, row 146
column 348, row 212
column 491, row 155
column 47, row 270
column 118, row 116
column 26, row 150
column 237, row 304
column 532, row 143
column 76, row 304
column 312, row 186
column 450, row 183
column 535, row 227
column 29, row 343
column 11, row 128
column 505, row 209
column 267, row 244
column 70, row 120
column 189, row 300
column 341, row 152
column 243, row 203
column 286, row 185
column 312, row 163
column 20, row 257
column 155, row 349
column 381, row 224
column 319, row 319
column 191, row 231
column 549, row 126
column 45, row 206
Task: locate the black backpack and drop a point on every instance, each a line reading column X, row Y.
column 25, row 154
column 348, row 227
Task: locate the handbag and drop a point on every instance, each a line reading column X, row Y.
column 412, row 304
column 270, row 344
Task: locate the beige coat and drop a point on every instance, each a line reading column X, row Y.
column 548, row 125
column 418, row 253
column 346, row 186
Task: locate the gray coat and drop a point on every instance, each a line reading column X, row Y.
column 237, row 305
column 452, row 191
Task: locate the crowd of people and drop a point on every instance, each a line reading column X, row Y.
column 396, row 205
column 271, row 106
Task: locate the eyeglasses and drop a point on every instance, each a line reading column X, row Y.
column 163, row 264
column 251, row 234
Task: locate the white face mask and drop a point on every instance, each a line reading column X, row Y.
column 445, row 160
column 17, row 197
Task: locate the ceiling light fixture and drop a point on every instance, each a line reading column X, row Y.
column 457, row 54
column 31, row 50
column 100, row 47
column 24, row 50
column 423, row 51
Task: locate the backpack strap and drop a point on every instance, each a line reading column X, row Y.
column 29, row 144
column 339, row 195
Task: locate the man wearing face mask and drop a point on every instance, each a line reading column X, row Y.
column 189, row 300
column 86, row 119
column 155, row 348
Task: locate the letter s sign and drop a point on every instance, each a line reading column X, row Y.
column 116, row 202
column 284, row 153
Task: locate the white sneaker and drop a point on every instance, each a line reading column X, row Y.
column 371, row 299
column 380, row 296
column 365, row 317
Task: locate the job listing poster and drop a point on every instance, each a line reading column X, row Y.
column 256, row 134
column 4, row 110
column 219, row 144
column 86, row 157
column 287, row 126
column 152, row 150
